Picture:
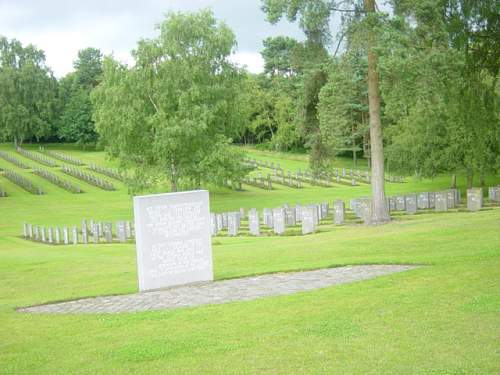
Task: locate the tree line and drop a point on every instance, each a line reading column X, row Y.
column 414, row 90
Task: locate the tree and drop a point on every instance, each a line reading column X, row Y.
column 278, row 55
column 27, row 92
column 314, row 17
column 172, row 114
column 75, row 120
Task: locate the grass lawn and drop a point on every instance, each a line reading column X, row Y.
column 443, row 318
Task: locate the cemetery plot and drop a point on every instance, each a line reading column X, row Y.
column 62, row 157
column 37, row 157
column 88, row 178
column 23, row 182
column 56, row 180
column 11, row 159
column 106, row 171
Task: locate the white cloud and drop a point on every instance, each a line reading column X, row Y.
column 253, row 61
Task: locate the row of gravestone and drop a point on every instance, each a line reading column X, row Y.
column 106, row 171
column 343, row 173
column 439, row 201
column 277, row 219
column 87, row 177
column 22, row 182
column 13, row 160
column 92, row 232
column 39, row 158
column 56, row 180
column 62, row 157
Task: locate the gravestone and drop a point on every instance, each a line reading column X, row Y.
column 354, row 205
column 268, row 217
column 74, row 232
column 400, row 203
column 30, row 231
column 121, row 231
column 58, row 235
column 392, row 203
column 253, row 222
column 290, row 217
column 411, row 203
column 242, row 212
column 220, row 225
column 324, row 211
column 441, row 201
column 50, row 235
column 233, row 223
column 494, row 194
column 25, row 230
column 423, row 201
column 224, row 219
column 108, row 232
column 298, row 213
column 95, row 233
column 65, row 235
column 366, row 210
column 173, row 239
column 37, row 233
column 451, row 198
column 43, row 234
column 213, row 224
column 308, row 219
column 128, row 229
column 338, row 212
column 279, row 220
column 84, row 226
column 474, row 199
column 432, row 200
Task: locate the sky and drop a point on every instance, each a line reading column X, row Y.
column 61, row 28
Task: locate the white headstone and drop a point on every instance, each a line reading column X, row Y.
column 308, row 219
column 253, row 222
column 173, row 239
column 279, row 220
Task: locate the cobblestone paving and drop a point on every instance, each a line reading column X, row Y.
column 243, row 289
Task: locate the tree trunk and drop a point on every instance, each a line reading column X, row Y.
column 481, row 178
column 380, row 209
column 173, row 177
column 470, row 178
column 453, row 181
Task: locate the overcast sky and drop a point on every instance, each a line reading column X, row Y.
column 61, row 27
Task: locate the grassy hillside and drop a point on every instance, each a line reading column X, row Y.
column 443, row 318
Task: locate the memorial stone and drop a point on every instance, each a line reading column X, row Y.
column 253, row 222
column 441, row 201
column 298, row 213
column 411, row 203
column 30, row 231
column 37, row 233
column 95, row 233
column 173, row 239
column 338, row 212
column 392, row 203
column 432, row 199
column 366, row 210
column 423, row 201
column 224, row 219
column 232, row 223
column 268, row 217
column 308, row 219
column 108, row 232
column 220, row 225
column 128, row 229
column 43, row 234
column 278, row 220
column 65, row 235
column 213, row 224
column 74, row 232
column 121, row 231
column 50, row 237
column 290, row 217
column 58, row 235
column 451, row 198
column 25, row 230
column 400, row 203
column 474, row 199
column 324, row 208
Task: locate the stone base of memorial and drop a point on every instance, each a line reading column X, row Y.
column 173, row 239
